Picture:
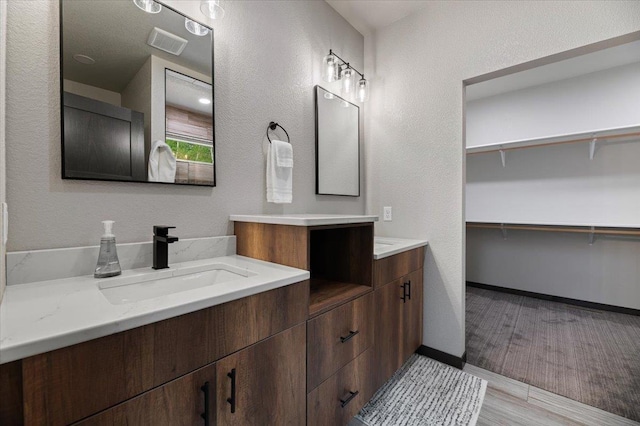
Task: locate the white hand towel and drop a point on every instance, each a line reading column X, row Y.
column 162, row 163
column 280, row 172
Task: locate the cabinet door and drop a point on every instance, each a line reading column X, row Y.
column 264, row 384
column 178, row 403
column 412, row 314
column 388, row 330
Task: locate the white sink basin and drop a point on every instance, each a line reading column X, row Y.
column 380, row 243
column 120, row 290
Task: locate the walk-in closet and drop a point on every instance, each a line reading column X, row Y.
column 553, row 225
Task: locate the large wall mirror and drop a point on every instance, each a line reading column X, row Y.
column 337, row 145
column 137, row 93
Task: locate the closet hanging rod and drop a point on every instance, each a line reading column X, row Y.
column 558, row 228
column 526, row 144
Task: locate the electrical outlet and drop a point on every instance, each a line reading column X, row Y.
column 388, row 214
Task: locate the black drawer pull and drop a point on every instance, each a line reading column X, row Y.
column 205, row 415
column 408, row 284
column 232, row 400
column 348, row 336
column 347, row 398
column 404, row 292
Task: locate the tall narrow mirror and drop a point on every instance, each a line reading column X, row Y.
column 137, row 93
column 337, row 145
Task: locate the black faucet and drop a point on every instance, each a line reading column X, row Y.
column 161, row 243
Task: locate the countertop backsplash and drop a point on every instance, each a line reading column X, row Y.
column 43, row 265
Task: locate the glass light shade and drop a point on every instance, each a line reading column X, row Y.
column 362, row 90
column 194, row 28
column 148, row 6
column 347, row 75
column 330, row 68
column 212, row 9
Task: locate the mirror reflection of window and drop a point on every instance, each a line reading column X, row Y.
column 115, row 59
column 189, row 127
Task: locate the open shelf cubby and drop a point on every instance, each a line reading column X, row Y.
column 341, row 265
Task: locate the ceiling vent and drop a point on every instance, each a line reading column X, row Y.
column 164, row 40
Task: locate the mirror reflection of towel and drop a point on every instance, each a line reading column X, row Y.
column 162, row 163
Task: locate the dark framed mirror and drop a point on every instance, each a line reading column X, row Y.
column 337, row 145
column 137, row 93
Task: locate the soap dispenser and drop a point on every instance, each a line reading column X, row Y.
column 108, row 264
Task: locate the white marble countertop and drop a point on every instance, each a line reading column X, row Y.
column 43, row 316
column 303, row 219
column 385, row 247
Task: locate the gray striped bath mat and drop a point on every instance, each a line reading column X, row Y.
column 426, row 392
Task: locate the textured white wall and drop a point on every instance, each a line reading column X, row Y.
column 557, row 264
column 267, row 61
column 600, row 100
column 415, row 156
column 3, row 190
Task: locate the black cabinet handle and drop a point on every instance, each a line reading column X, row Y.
column 348, row 336
column 205, row 415
column 232, row 400
column 347, row 398
column 408, row 284
column 404, row 292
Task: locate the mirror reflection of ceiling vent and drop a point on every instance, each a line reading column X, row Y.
column 164, row 40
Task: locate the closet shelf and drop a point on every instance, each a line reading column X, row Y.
column 618, row 134
column 580, row 229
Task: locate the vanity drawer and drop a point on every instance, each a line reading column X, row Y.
column 337, row 337
column 69, row 384
column 342, row 395
column 394, row 267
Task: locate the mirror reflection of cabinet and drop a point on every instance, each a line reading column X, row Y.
column 137, row 94
column 102, row 141
column 337, row 145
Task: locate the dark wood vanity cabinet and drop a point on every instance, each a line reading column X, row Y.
column 259, row 385
column 152, row 364
column 340, row 329
column 398, row 320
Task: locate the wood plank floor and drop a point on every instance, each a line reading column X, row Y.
column 509, row 402
column 586, row 355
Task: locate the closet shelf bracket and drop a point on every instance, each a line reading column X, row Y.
column 592, row 235
column 592, row 147
column 503, row 158
column 504, row 231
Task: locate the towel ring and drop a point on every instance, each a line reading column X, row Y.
column 272, row 126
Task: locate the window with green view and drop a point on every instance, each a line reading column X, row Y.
column 191, row 151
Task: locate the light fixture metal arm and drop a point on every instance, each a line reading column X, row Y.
column 331, row 52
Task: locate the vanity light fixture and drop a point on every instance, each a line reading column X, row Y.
column 335, row 68
column 212, row 9
column 362, row 90
column 330, row 68
column 194, row 28
column 348, row 79
column 148, row 6
column 204, row 101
